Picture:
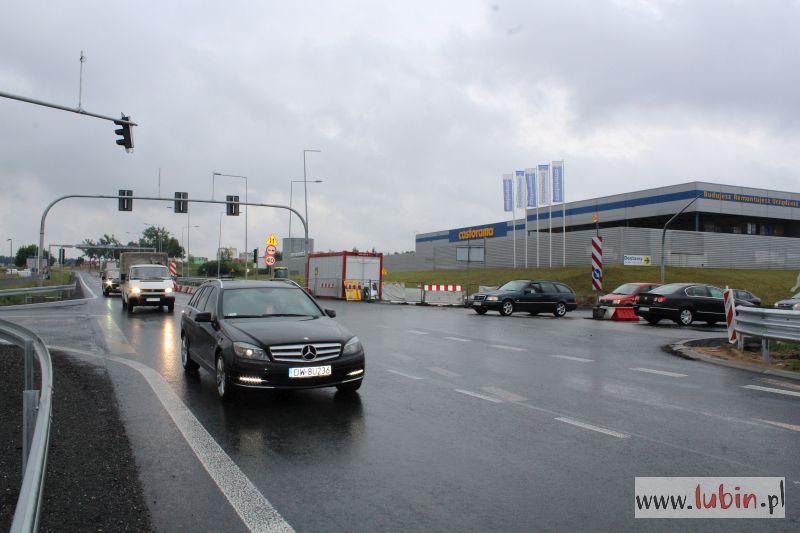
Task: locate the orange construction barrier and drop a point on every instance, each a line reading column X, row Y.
column 624, row 313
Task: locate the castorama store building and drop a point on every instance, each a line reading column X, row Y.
column 722, row 227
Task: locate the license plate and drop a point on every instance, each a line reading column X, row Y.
column 310, row 371
column 644, row 309
column 477, row 304
column 154, row 299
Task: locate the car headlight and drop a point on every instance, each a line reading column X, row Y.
column 616, row 302
column 248, row 351
column 108, row 282
column 491, row 298
column 796, row 307
column 135, row 290
column 168, row 290
column 353, row 346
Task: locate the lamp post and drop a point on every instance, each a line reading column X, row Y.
column 214, row 175
column 187, row 247
column 305, row 189
column 291, row 190
column 11, row 249
column 664, row 233
column 219, row 245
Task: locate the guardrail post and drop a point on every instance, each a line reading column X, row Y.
column 28, row 365
column 740, row 341
column 765, row 350
column 30, row 404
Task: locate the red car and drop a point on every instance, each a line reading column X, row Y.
column 625, row 294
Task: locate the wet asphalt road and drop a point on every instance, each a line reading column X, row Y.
column 464, row 423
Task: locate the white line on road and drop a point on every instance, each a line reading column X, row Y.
column 660, row 372
column 783, row 425
column 417, row 332
column 775, row 391
column 780, row 383
column 504, row 347
column 481, row 396
column 444, row 372
column 571, row 358
column 86, row 286
column 409, row 376
column 458, row 339
column 504, row 394
column 593, row 428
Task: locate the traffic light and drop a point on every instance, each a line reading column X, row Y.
column 124, row 132
column 232, row 205
column 61, row 256
column 181, row 205
column 125, row 200
column 255, row 256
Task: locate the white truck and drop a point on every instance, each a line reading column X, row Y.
column 145, row 281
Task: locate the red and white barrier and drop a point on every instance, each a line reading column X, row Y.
column 327, row 285
column 730, row 314
column 442, row 288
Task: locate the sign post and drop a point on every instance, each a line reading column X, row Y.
column 597, row 259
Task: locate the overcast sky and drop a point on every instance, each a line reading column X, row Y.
column 418, row 108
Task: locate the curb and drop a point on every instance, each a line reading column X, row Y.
column 64, row 303
column 680, row 349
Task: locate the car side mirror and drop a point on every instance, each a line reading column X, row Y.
column 331, row 313
column 122, row 277
column 202, row 317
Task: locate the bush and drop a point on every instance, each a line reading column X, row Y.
column 226, row 268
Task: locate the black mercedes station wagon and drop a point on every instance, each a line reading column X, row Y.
column 267, row 335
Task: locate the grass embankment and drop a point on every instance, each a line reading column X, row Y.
column 57, row 277
column 769, row 285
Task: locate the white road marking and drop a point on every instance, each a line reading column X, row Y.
column 481, row 396
column 504, row 347
column 417, row 332
column 593, row 428
column 504, row 394
column 86, row 286
column 444, row 372
column 252, row 507
column 775, row 391
column 571, row 358
column 458, row 339
column 660, row 372
column 409, row 376
column 780, row 383
column 783, row 425
column 115, row 340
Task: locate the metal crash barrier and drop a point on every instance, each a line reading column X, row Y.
column 36, row 416
column 767, row 324
column 28, row 291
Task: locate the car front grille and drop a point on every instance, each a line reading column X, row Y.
column 292, row 353
column 478, row 297
column 784, row 306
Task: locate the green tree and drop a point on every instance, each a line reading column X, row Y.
column 159, row 238
column 24, row 252
column 107, row 240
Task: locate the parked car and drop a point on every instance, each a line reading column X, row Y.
column 625, row 294
column 792, row 304
column 267, row 335
column 531, row 296
column 741, row 294
column 683, row 303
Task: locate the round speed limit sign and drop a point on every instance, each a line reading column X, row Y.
column 270, row 260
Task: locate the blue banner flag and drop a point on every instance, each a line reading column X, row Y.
column 508, row 193
column 521, row 192
column 544, row 184
column 558, row 181
column 530, row 178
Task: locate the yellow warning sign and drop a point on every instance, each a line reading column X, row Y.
column 272, row 240
column 384, row 272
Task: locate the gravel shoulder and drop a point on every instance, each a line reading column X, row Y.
column 92, row 482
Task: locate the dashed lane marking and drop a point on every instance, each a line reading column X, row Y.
column 458, row 339
column 504, row 347
column 409, row 376
column 783, row 425
column 504, row 394
column 571, row 358
column 593, row 428
column 780, row 383
column 481, row 396
column 774, row 391
column 660, row 372
column 417, row 332
column 444, row 372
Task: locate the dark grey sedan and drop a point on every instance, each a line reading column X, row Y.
column 792, row 304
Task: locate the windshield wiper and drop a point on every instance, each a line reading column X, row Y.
column 285, row 314
column 241, row 316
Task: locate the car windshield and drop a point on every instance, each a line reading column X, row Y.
column 514, row 286
column 267, row 301
column 796, row 296
column 150, row 272
column 628, row 288
column 667, row 289
column 112, row 274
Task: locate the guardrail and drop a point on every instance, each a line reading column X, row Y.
column 36, row 416
column 33, row 290
column 767, row 324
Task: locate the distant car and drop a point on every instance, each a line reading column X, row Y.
column 683, row 303
column 741, row 294
column 110, row 278
column 267, row 335
column 624, row 295
column 531, row 296
column 792, row 304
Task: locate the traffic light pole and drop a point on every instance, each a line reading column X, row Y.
column 77, row 110
column 153, row 198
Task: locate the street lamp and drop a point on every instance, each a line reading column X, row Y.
column 219, row 246
column 11, row 249
column 305, row 188
column 213, row 176
column 187, row 248
column 291, row 185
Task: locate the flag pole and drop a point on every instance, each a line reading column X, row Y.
column 563, row 216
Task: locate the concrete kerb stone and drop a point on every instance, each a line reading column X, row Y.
column 681, row 349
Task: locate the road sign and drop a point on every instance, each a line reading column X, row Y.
column 271, row 250
column 270, row 260
column 597, row 263
column 594, row 217
column 272, row 240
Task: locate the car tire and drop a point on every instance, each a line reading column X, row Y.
column 560, row 310
column 186, row 361
column 171, row 308
column 223, row 380
column 124, row 304
column 105, row 293
column 652, row 321
column 349, row 388
column 130, row 308
column 685, row 316
column 480, row 311
column 506, row 307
